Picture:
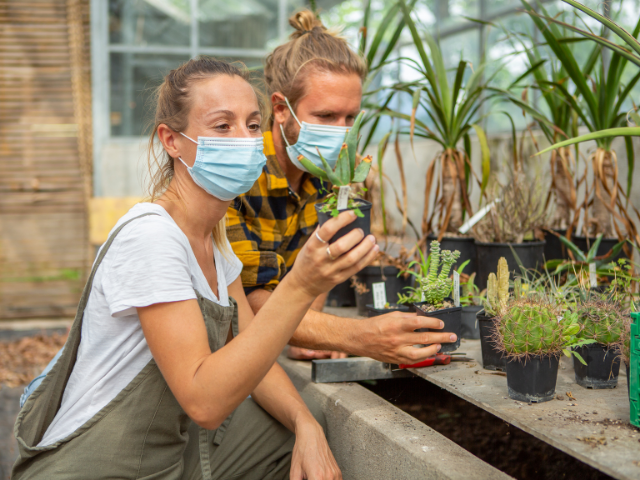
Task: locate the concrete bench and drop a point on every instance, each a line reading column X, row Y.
column 372, row 439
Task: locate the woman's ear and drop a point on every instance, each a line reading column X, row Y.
column 281, row 112
column 168, row 139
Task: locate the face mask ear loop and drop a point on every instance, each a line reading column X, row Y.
column 292, row 112
column 283, row 136
column 183, row 162
column 197, row 143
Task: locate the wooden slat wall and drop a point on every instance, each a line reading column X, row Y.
column 45, row 156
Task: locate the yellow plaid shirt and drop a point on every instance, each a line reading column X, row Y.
column 268, row 225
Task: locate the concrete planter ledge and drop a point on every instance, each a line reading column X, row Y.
column 372, row 439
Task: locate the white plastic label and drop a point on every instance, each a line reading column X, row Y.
column 593, row 277
column 477, row 217
column 379, row 294
column 422, row 299
column 343, row 197
column 456, row 289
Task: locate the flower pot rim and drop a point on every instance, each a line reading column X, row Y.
column 460, row 238
column 366, row 206
column 442, row 310
column 372, row 307
column 532, row 243
column 529, row 356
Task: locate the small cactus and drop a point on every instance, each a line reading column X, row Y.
column 602, row 321
column 498, row 290
column 533, row 327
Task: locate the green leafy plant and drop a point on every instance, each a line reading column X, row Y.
column 577, row 269
column 600, row 106
column 434, row 284
column 345, row 172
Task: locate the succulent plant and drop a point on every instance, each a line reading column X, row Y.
column 433, row 278
column 601, row 320
column 345, row 172
column 535, row 327
column 498, row 290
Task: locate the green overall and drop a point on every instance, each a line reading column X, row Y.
column 144, row 433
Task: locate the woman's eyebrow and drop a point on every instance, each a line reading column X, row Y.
column 228, row 113
column 255, row 114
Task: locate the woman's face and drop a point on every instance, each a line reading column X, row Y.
column 222, row 106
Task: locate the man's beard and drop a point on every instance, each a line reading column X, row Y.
column 290, row 131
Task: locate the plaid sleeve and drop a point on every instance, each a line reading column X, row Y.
column 260, row 269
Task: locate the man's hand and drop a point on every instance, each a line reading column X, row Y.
column 390, row 338
column 299, row 353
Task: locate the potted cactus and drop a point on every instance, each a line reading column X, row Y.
column 601, row 319
column 495, row 303
column 531, row 333
column 342, row 178
column 432, row 296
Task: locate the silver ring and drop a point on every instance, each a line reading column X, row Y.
column 329, row 254
column 318, row 237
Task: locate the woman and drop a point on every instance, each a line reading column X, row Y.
column 153, row 349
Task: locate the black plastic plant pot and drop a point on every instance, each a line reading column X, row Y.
column 602, row 368
column 554, row 249
column 360, row 222
column 393, row 307
column 342, row 295
column 531, row 254
column 452, row 318
column 584, row 243
column 465, row 245
column 492, row 358
column 370, row 275
column 470, row 328
column 532, row 380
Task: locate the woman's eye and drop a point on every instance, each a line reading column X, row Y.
column 224, row 126
column 254, row 127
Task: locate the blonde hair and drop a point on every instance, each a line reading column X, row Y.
column 173, row 104
column 310, row 46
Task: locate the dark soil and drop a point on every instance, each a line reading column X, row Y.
column 498, row 443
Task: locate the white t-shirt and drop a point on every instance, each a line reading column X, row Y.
column 150, row 261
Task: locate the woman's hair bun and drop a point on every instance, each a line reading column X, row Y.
column 304, row 22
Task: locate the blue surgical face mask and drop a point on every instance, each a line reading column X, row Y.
column 328, row 139
column 226, row 167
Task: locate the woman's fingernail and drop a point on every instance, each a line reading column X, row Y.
column 438, row 348
column 352, row 213
column 441, row 324
column 376, row 248
column 372, row 239
column 453, row 338
column 361, row 231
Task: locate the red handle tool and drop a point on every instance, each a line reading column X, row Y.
column 439, row 359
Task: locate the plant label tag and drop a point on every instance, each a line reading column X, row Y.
column 456, row 289
column 379, row 294
column 343, row 197
column 422, row 299
column 593, row 277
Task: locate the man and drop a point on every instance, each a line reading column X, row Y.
column 315, row 78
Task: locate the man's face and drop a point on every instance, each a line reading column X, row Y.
column 330, row 99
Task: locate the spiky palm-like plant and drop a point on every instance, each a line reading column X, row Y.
column 345, row 172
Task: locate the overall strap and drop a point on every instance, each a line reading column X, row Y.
column 58, row 376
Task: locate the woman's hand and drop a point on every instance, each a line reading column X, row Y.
column 312, row 458
column 320, row 265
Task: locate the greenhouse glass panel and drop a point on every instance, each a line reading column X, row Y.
column 149, row 22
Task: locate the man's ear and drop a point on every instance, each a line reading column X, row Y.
column 281, row 111
column 168, row 139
